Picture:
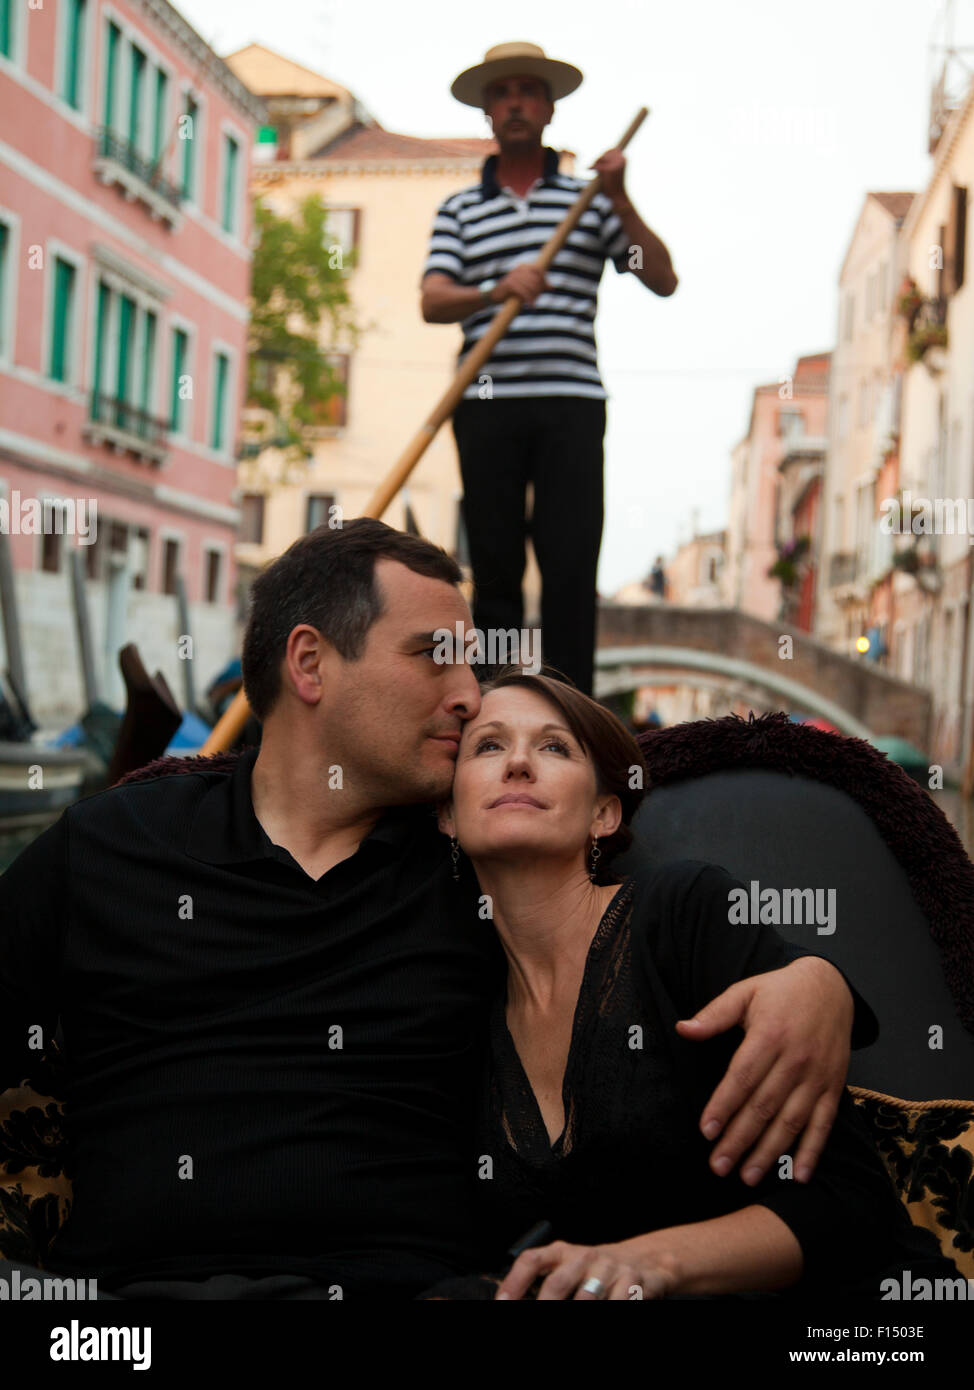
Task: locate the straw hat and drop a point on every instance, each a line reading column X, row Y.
column 515, row 60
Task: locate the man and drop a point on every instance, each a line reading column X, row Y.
column 272, row 991
column 537, row 412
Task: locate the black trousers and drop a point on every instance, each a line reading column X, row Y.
column 554, row 442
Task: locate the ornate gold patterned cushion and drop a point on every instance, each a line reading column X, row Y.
column 35, row 1186
column 928, row 1149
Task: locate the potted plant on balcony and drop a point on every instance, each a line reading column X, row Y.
column 909, row 301
column 786, row 567
column 924, row 337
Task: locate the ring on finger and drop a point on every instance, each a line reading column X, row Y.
column 593, row 1286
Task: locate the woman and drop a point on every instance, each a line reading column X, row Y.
column 591, row 1098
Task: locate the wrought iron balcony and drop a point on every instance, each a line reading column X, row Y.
column 117, row 161
column 115, row 421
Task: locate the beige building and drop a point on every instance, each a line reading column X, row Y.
column 785, row 428
column 863, row 416
column 381, row 190
column 932, row 612
column 694, row 575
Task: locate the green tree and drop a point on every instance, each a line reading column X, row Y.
column 299, row 305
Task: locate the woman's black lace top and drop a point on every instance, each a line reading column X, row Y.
column 631, row 1158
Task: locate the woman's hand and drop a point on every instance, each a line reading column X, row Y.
column 622, row 1274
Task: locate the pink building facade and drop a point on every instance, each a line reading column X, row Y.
column 125, row 263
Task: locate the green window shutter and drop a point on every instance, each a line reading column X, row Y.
column 222, row 371
column 159, row 115
column 60, row 365
column 136, row 74
column 6, row 27
column 74, row 57
column 190, row 135
column 111, row 66
column 101, row 328
column 180, row 344
column 4, row 272
column 230, row 156
column 126, row 317
column 148, row 361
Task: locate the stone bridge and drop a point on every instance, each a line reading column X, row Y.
column 659, row 644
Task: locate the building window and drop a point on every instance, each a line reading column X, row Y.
column 170, row 565
column 6, row 287
column 137, row 63
column 112, row 41
column 940, row 279
column 318, row 509
column 850, row 307
column 126, row 352
column 7, row 8
column 214, row 575
column 51, row 552
column 128, row 326
column 139, row 557
column 791, row 424
column 956, row 247
column 863, row 416
column 231, row 161
column 221, row 381
column 189, row 133
column 159, row 115
column 333, row 413
column 180, row 352
column 252, row 518
column 343, row 231
column 73, row 63
column 148, row 360
column 62, row 324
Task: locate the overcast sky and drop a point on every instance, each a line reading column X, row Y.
column 770, row 120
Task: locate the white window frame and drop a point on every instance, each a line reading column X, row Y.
column 230, row 129
column 169, row 533
column 193, row 203
column 10, row 286
column 87, row 66
column 20, row 25
column 53, row 248
column 174, row 321
column 118, row 282
column 55, row 497
column 230, row 404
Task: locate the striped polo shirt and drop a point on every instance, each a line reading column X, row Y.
column 480, row 233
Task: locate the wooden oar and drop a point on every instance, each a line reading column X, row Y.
column 228, row 728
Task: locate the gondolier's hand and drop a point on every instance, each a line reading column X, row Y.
column 526, row 281
column 612, row 167
column 786, row 1078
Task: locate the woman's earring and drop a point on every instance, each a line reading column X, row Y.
column 455, row 856
column 595, row 856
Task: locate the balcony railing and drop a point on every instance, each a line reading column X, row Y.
column 842, row 568
column 118, row 161
column 126, row 425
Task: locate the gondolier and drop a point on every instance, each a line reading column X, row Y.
column 536, row 413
